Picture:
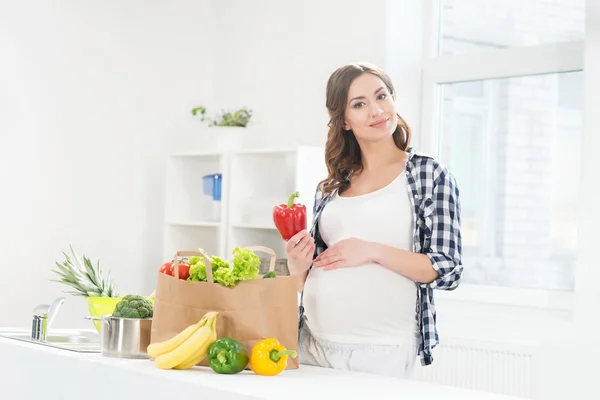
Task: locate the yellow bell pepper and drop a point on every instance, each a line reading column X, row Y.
column 269, row 357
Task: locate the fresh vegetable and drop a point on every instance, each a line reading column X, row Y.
column 169, row 269
column 192, row 350
column 244, row 266
column 227, row 356
column 184, row 271
column 166, row 268
column 223, row 272
column 134, row 306
column 269, row 357
column 225, row 276
column 270, row 274
column 86, row 279
column 289, row 218
column 198, row 270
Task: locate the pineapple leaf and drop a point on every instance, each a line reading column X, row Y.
column 81, row 275
column 90, row 273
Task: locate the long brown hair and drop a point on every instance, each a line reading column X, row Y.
column 342, row 152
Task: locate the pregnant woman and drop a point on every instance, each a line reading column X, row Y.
column 386, row 232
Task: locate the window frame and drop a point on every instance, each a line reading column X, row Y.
column 482, row 65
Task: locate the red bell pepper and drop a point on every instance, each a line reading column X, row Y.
column 290, row 218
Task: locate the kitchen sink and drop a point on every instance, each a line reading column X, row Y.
column 79, row 340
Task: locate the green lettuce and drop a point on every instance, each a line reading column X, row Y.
column 225, row 277
column 246, row 266
column 218, row 263
column 197, row 271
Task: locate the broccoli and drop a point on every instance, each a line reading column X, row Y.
column 133, row 306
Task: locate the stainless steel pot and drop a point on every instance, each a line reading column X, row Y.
column 124, row 337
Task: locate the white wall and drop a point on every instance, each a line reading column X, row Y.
column 276, row 56
column 91, row 97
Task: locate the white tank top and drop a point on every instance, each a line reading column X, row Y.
column 368, row 303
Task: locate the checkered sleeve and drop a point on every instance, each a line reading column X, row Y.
column 443, row 220
column 314, row 231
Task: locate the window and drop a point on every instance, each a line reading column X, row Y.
column 472, row 25
column 513, row 153
column 502, row 108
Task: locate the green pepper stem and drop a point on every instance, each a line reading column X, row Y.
column 276, row 355
column 293, row 196
column 222, row 357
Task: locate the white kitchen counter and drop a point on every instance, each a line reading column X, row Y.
column 30, row 371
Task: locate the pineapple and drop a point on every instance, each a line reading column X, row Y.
column 83, row 277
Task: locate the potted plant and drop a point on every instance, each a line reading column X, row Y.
column 239, row 118
column 229, row 124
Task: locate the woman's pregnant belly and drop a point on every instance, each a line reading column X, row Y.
column 365, row 304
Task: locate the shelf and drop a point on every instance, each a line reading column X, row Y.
column 254, row 181
column 186, row 200
column 281, row 151
column 207, row 224
column 253, row 226
column 207, row 154
column 253, row 152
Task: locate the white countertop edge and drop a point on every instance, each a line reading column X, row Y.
column 302, row 383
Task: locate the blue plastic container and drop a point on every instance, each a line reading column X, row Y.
column 212, row 185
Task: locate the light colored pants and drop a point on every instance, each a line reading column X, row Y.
column 390, row 361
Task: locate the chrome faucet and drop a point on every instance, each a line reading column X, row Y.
column 43, row 316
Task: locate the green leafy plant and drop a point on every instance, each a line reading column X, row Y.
column 240, row 117
column 244, row 267
column 83, row 277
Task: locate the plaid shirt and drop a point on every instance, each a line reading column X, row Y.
column 434, row 196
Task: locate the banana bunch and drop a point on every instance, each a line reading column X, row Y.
column 188, row 347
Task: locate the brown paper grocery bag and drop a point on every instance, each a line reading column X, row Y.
column 248, row 312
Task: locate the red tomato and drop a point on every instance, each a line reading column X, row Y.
column 166, row 268
column 184, row 271
column 169, row 269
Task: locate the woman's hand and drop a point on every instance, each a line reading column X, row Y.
column 353, row 252
column 345, row 253
column 300, row 250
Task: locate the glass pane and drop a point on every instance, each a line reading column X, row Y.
column 471, row 25
column 514, row 147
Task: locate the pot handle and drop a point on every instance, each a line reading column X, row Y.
column 98, row 319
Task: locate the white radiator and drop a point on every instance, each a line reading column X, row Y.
column 492, row 367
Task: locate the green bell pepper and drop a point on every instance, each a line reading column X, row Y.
column 227, row 356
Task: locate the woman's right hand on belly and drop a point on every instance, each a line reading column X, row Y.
column 300, row 250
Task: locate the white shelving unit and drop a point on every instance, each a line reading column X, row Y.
column 190, row 223
column 254, row 181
